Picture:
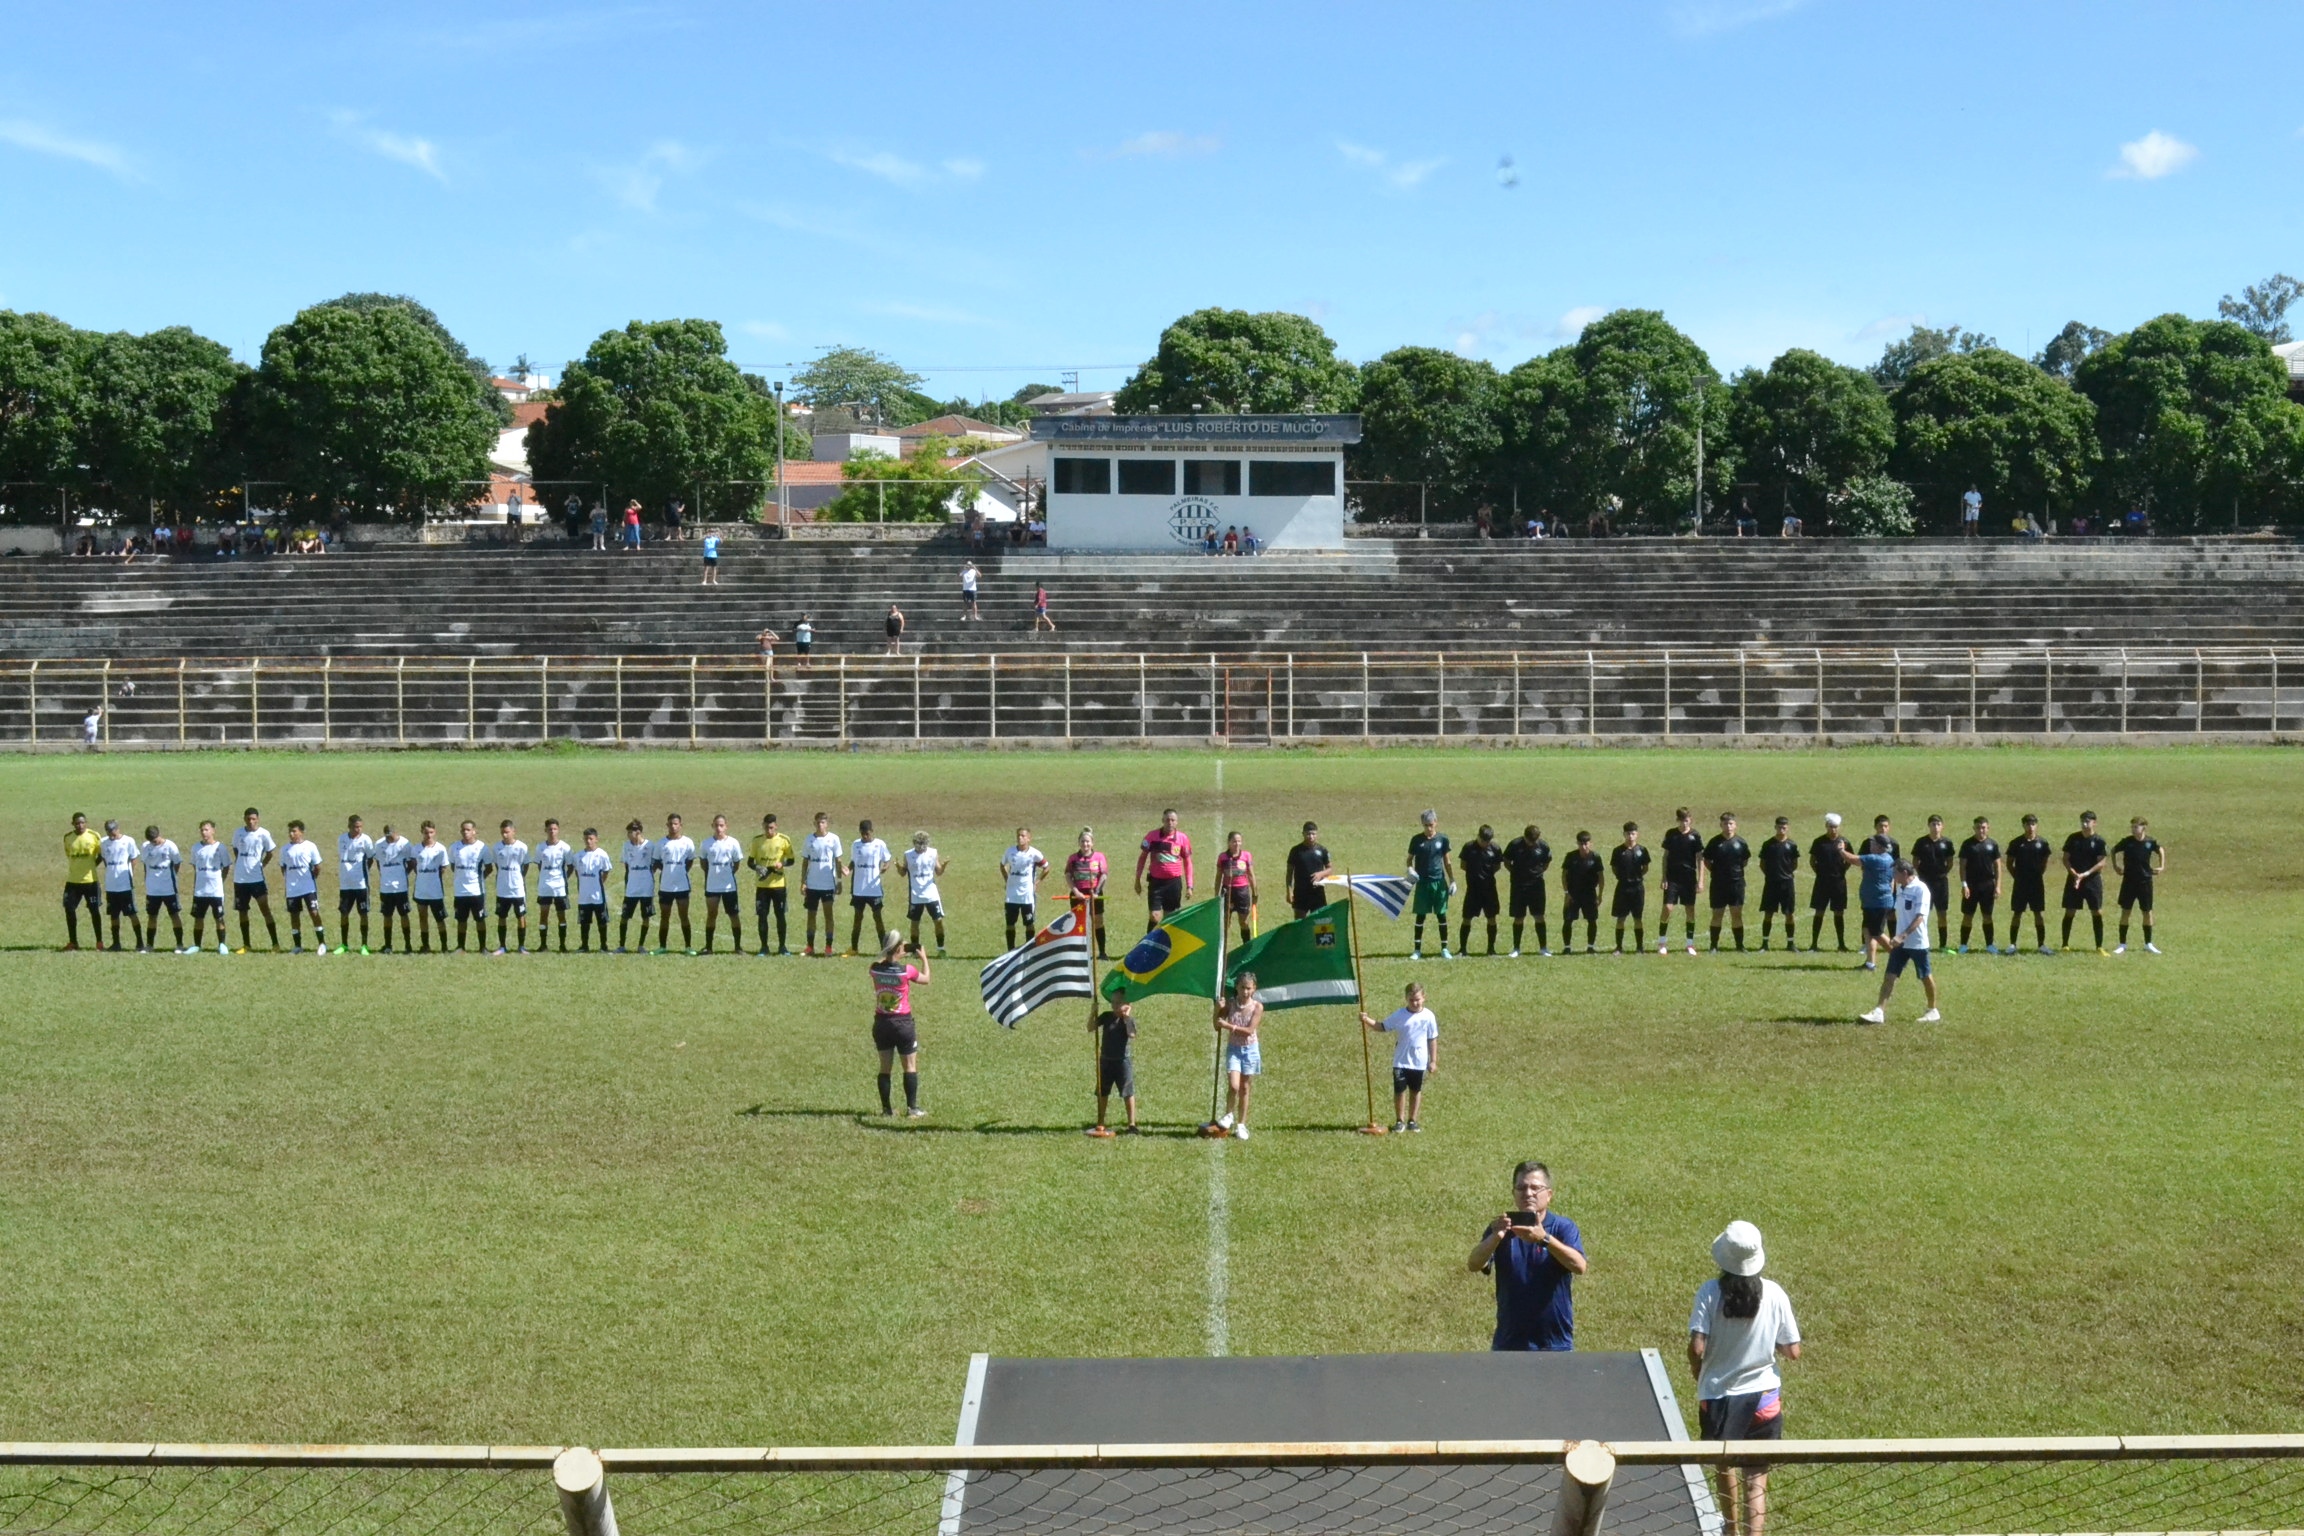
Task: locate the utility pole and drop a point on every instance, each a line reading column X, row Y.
column 1699, row 457
column 780, row 509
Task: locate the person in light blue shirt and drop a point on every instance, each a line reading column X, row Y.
column 1876, row 893
column 711, row 559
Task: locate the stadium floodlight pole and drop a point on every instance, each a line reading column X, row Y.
column 780, row 498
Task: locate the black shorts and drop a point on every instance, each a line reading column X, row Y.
column 1528, row 900
column 593, row 911
column 1631, row 900
column 921, row 909
column 644, row 905
column 859, row 903
column 1975, row 901
column 1164, row 893
column 895, row 1032
column 392, row 901
column 1095, row 905
column 1778, row 896
column 672, row 899
column 75, row 894
column 1679, row 890
column 120, row 903
column 1116, row 1075
column 2029, row 896
column 1879, row 922
column 471, row 906
column 1939, row 893
column 2135, row 893
column 244, row 892
column 552, row 903
column 347, row 900
column 215, row 904
column 1737, row 1417
column 1407, row 1079
column 725, row 901
column 2088, row 893
column 1481, row 901
column 1727, row 893
column 437, row 906
column 153, row 906
column 1017, row 912
column 1240, row 899
column 828, row 900
column 1579, row 904
column 769, row 898
column 1828, row 896
column 308, row 902
column 511, row 906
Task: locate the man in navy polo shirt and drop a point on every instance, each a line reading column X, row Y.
column 1535, row 1257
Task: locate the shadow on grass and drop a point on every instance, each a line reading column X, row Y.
column 869, row 1121
column 1821, row 1020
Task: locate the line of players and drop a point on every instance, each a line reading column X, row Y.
column 1714, row 870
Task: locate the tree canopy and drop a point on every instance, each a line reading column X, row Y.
column 41, row 401
column 156, row 423
column 1432, row 417
column 2262, row 308
column 362, row 303
column 1231, row 362
column 2069, row 348
column 1991, row 420
column 1900, row 357
column 1805, row 431
column 860, row 376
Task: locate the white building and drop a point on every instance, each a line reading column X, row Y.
column 1147, row 483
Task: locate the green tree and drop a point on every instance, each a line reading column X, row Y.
column 2069, row 348
column 2262, row 308
column 1901, row 357
column 653, row 411
column 363, row 303
column 155, row 430
column 366, row 410
column 921, row 489
column 1430, row 416
column 42, row 402
column 1231, row 362
column 1805, row 431
column 2195, row 422
column 1991, row 420
column 859, row 376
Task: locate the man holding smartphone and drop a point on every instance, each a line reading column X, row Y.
column 1536, row 1257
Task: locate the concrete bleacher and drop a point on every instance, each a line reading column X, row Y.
column 1573, row 594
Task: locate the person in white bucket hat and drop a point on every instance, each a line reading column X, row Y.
column 1738, row 1327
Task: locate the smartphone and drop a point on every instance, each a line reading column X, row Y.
column 1526, row 1219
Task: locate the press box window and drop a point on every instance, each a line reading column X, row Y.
column 1292, row 477
column 1147, row 477
column 1211, row 477
column 1081, row 477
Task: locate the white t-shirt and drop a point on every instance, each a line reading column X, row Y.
column 392, row 856
column 1412, row 1051
column 1911, row 902
column 552, row 861
column 723, row 856
column 1022, row 866
column 300, row 868
column 161, row 861
column 510, row 861
column 119, row 857
column 920, row 869
column 968, row 580
column 352, row 856
column 1971, row 507
column 673, row 856
column 467, row 860
column 248, row 850
column 866, row 859
column 209, row 861
column 431, row 869
column 592, row 866
column 639, row 870
column 820, row 866
column 1740, row 1352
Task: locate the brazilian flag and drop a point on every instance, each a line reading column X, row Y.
column 1177, row 956
column 1303, row 963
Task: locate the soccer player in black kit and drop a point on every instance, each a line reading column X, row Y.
column 2084, row 856
column 1307, row 862
column 1979, row 883
column 1582, row 874
column 2028, row 859
column 1779, row 864
column 1480, row 859
column 1628, row 862
column 1932, row 862
column 1724, row 860
column 1526, row 858
column 2139, row 858
column 1683, row 858
column 1828, row 860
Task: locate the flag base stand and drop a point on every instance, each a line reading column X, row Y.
column 1101, row 1133
column 1372, row 1129
column 1215, row 1131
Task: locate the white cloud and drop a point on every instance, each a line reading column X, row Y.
column 1400, row 175
column 406, row 149
column 880, row 163
column 43, row 140
column 636, row 185
column 964, row 169
column 1708, row 18
column 1571, row 324
column 2153, row 156
column 1162, row 144
column 1888, row 325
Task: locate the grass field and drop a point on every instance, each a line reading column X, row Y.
column 637, row 1201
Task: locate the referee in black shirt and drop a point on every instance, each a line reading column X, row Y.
column 1526, row 858
column 1932, row 862
column 1307, row 862
column 1779, row 864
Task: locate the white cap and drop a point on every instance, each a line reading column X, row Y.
column 1737, row 1250
column 1831, row 818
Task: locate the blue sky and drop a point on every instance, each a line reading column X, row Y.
column 991, row 194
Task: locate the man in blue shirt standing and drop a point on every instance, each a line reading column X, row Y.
column 1535, row 1256
column 1876, row 890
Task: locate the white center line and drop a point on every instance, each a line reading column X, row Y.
column 1219, row 1255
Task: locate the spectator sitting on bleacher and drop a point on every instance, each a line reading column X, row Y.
column 1249, row 544
column 1211, row 544
column 1792, row 526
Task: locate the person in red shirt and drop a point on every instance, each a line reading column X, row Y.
column 1236, row 883
column 1166, row 859
column 1084, row 874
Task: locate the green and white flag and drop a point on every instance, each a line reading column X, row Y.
column 1303, row 963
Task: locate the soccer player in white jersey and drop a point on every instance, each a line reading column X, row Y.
column 116, row 860
column 723, row 856
column 552, row 858
column 509, row 858
column 868, row 857
column 675, row 851
column 161, row 859
column 252, row 849
column 639, row 856
column 467, row 858
column 395, row 857
column 429, row 865
column 593, row 866
column 820, row 882
column 922, row 864
column 1023, row 867
column 210, row 860
column 300, row 876
column 355, row 851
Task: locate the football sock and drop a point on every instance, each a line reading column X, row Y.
column 911, row 1090
column 886, row 1107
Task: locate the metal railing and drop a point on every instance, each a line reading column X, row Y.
column 1759, row 695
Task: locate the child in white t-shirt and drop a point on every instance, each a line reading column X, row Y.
column 1415, row 1055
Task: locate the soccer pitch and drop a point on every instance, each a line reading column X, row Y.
column 641, row 1201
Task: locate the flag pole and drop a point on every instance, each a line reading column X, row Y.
column 1080, row 917
column 1216, row 1082
column 1367, row 1057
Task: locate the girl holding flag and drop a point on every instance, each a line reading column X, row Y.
column 1236, row 1021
